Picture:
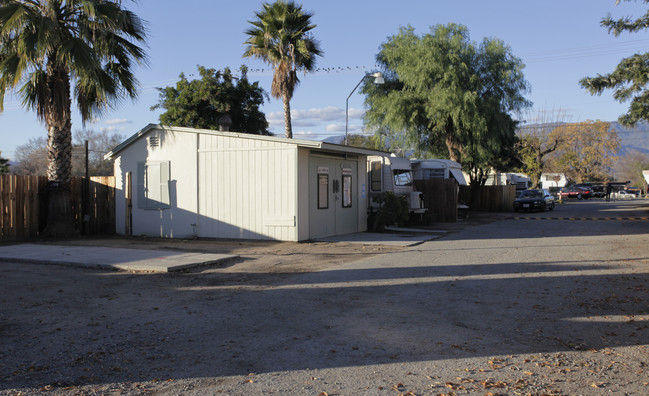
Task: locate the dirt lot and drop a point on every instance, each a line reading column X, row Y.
column 273, row 258
column 312, row 319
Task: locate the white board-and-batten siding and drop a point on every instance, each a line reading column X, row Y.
column 227, row 185
column 246, row 188
column 178, row 151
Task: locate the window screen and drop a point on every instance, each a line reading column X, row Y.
column 432, row 173
column 375, row 176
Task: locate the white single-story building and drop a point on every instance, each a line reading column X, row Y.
column 557, row 180
column 174, row 182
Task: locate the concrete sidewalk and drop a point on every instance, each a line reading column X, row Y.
column 109, row 257
column 162, row 261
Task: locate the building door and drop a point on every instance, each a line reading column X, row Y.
column 333, row 195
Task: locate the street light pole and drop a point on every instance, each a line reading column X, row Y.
column 378, row 79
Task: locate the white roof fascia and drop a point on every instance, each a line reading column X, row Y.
column 299, row 142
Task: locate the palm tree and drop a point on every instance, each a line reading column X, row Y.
column 281, row 37
column 48, row 46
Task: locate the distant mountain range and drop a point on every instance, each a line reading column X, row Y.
column 335, row 140
column 636, row 138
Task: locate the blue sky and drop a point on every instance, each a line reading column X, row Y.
column 560, row 41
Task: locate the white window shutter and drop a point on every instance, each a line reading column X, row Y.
column 164, row 185
column 153, row 185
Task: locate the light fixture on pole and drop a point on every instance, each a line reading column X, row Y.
column 378, row 79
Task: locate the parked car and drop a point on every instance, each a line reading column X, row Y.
column 623, row 194
column 575, row 192
column 635, row 190
column 534, row 200
column 596, row 190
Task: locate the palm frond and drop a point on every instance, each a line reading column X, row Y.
column 34, row 93
column 280, row 36
column 93, row 42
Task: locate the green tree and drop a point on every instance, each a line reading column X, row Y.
column 49, row 46
column 4, row 165
column 281, row 36
column 363, row 141
column 200, row 103
column 587, row 150
column 629, row 79
column 450, row 96
column 534, row 145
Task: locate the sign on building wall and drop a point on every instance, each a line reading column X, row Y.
column 323, row 187
column 347, row 187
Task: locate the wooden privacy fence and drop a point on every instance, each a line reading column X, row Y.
column 21, row 198
column 23, row 206
column 94, row 204
column 489, row 198
column 440, row 198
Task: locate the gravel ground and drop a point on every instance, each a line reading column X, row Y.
column 484, row 311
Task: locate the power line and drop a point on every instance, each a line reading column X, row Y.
column 590, row 47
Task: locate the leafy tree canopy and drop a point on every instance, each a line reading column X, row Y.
column 629, row 80
column 450, row 96
column 535, row 144
column 363, row 141
column 200, row 103
column 587, row 150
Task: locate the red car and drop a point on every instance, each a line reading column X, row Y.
column 576, row 192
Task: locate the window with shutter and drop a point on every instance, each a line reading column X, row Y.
column 153, row 185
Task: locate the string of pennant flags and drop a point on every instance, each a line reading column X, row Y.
column 331, row 69
column 267, row 71
column 263, row 71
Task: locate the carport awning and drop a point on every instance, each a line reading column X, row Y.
column 457, row 174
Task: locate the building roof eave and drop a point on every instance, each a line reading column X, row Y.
column 299, row 142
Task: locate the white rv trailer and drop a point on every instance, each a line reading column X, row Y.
column 393, row 174
column 521, row 181
column 425, row 169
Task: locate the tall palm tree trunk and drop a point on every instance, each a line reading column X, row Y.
column 287, row 116
column 60, row 221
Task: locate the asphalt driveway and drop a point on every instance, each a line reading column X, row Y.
column 512, row 306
